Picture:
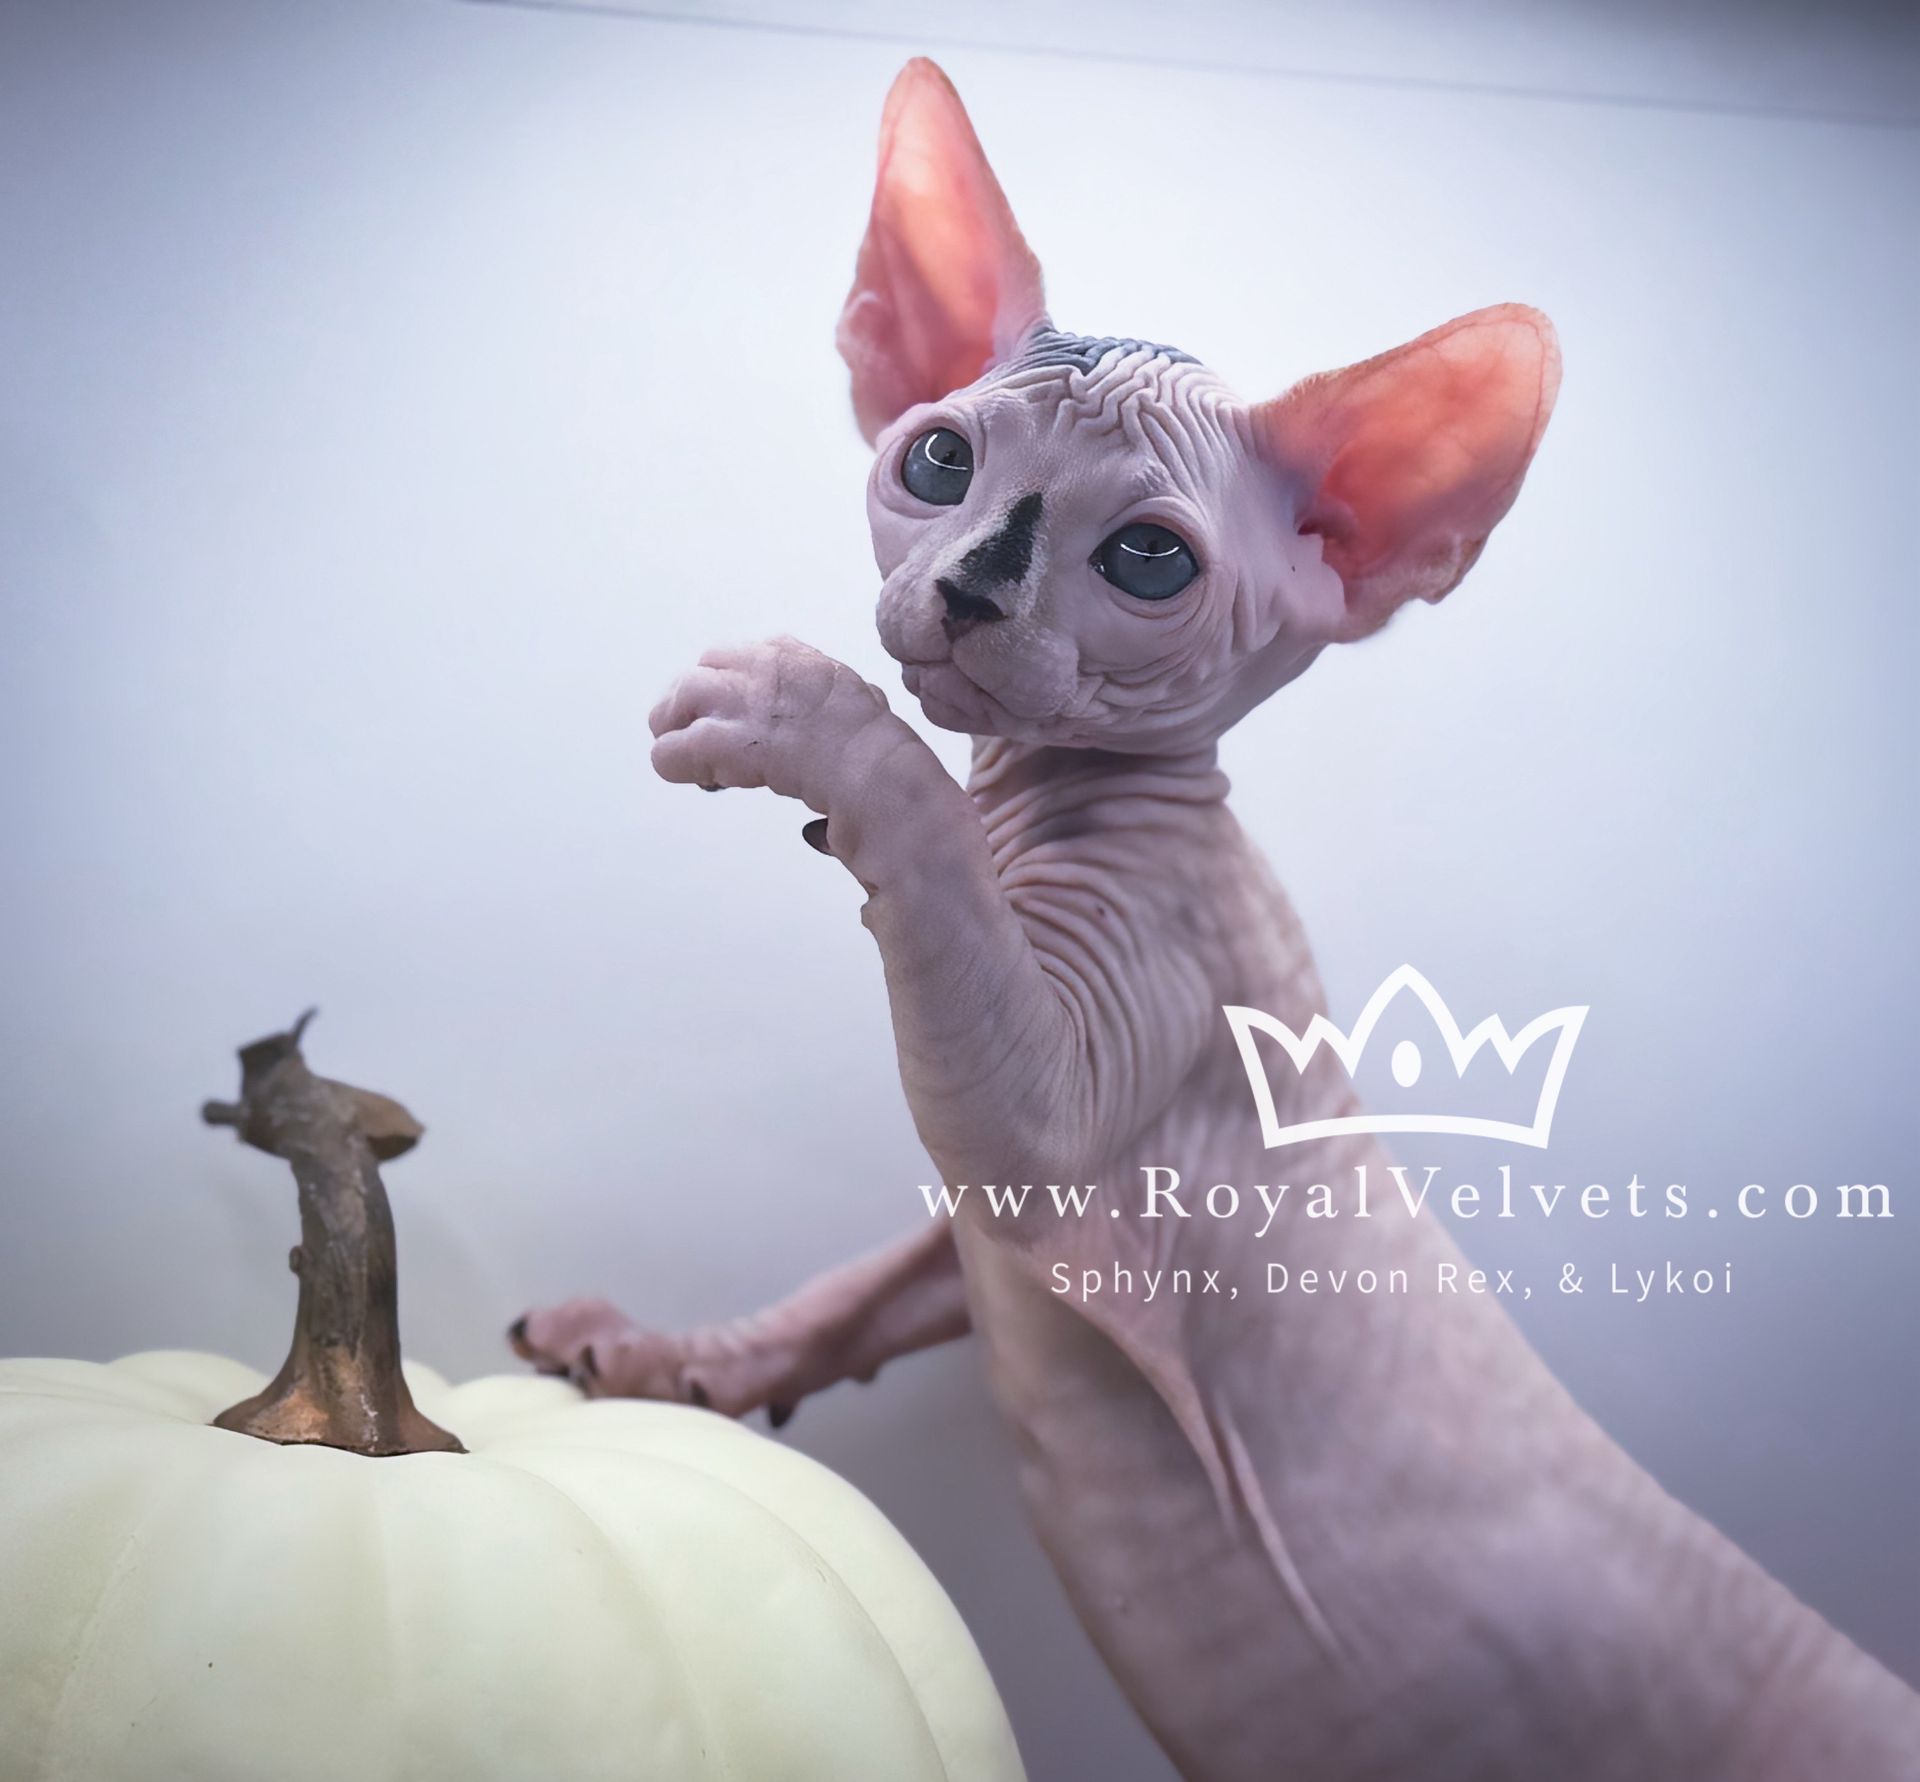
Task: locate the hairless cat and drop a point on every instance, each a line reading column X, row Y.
column 1353, row 1537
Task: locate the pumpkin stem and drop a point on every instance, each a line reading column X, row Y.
column 341, row 1384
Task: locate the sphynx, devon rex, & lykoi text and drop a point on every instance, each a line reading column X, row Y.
column 1339, row 1538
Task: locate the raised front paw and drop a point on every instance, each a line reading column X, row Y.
column 777, row 714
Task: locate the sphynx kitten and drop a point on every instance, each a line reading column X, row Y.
column 1358, row 1537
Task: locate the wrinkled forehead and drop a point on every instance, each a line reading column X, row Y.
column 1067, row 393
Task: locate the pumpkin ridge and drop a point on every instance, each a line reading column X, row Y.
column 567, row 1418
column 104, row 1387
column 182, row 1375
column 631, row 1586
column 380, row 1624
column 117, row 1573
column 828, row 1572
column 22, row 1439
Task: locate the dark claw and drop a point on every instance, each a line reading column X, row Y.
column 590, row 1363
column 706, row 788
column 697, row 1396
column 779, row 1416
column 814, row 834
column 517, row 1332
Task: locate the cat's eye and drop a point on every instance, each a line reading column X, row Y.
column 938, row 467
column 1147, row 561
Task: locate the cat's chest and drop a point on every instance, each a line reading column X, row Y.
column 1113, row 1262
column 1116, row 890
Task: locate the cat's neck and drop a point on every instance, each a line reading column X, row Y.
column 1005, row 774
column 1150, row 836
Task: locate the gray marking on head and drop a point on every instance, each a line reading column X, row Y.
column 1082, row 352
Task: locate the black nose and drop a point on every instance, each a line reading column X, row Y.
column 964, row 611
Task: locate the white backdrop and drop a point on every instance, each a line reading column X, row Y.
column 396, row 396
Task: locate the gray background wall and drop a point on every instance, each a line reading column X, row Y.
column 397, row 395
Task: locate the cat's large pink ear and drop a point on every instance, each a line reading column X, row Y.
column 1403, row 464
column 945, row 286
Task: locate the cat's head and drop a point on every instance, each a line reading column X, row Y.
column 1093, row 542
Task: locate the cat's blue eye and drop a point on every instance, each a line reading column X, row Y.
column 1147, row 561
column 938, row 467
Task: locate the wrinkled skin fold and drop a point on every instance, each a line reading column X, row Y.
column 1356, row 1537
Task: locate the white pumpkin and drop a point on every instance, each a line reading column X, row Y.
column 608, row 1589
column 358, row 1573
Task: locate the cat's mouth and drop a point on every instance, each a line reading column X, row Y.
column 951, row 699
column 1012, row 680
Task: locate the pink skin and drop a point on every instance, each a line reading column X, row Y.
column 1349, row 1538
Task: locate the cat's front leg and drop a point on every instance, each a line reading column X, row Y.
column 782, row 715
column 845, row 1324
column 990, row 1052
